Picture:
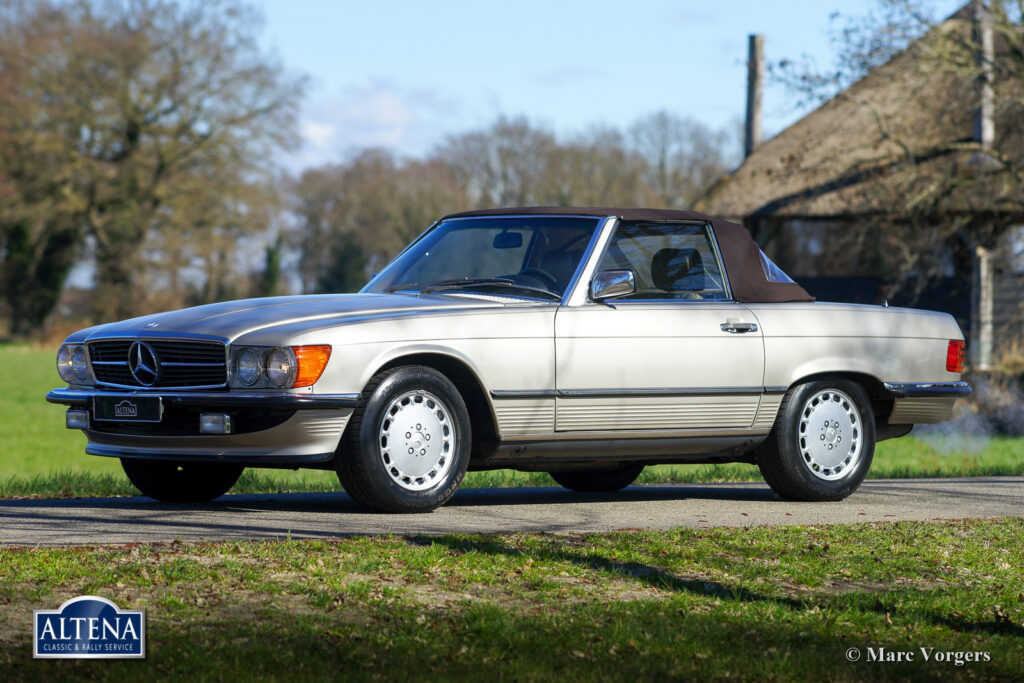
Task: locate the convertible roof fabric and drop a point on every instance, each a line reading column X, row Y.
column 739, row 250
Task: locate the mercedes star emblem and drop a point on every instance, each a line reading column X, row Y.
column 143, row 363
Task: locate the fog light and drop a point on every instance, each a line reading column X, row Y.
column 77, row 419
column 214, row 423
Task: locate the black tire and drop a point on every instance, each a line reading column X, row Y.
column 181, row 482
column 373, row 464
column 794, row 461
column 604, row 479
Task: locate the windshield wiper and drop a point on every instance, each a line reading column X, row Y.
column 394, row 288
column 486, row 282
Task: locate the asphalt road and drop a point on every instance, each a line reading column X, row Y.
column 86, row 521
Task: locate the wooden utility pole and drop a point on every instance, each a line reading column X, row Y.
column 755, row 87
column 982, row 299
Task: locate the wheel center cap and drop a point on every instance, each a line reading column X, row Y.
column 416, row 441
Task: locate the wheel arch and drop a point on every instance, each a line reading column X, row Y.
column 879, row 397
column 469, row 386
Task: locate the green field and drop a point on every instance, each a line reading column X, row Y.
column 38, row 456
column 752, row 604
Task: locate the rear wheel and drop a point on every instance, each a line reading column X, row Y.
column 408, row 444
column 822, row 443
column 181, row 482
column 604, row 479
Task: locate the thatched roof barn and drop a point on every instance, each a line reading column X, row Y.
column 882, row 142
column 890, row 188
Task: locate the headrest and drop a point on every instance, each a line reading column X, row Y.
column 675, row 270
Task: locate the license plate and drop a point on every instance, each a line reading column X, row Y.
column 127, row 408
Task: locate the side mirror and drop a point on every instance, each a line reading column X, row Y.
column 609, row 284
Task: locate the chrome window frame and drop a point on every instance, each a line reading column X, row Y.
column 716, row 251
column 721, row 262
column 577, row 292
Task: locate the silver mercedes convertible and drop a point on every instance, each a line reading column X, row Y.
column 584, row 342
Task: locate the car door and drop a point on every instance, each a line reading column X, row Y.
column 677, row 355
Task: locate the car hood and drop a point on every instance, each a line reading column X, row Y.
column 232, row 319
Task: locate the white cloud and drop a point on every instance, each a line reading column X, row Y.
column 317, row 134
column 408, row 121
column 372, row 116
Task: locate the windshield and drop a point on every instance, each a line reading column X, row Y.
column 531, row 256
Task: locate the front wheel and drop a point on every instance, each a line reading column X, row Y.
column 823, row 441
column 407, row 446
column 605, row 479
column 181, row 482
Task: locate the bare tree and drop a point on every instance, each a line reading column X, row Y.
column 39, row 209
column 144, row 103
column 357, row 215
column 683, row 157
column 597, row 169
column 500, row 166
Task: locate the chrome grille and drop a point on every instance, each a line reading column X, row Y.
column 183, row 363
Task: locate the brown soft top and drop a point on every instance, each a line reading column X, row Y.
column 739, row 250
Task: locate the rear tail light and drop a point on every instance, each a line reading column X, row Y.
column 955, row 355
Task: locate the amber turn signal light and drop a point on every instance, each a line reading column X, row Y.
column 955, row 355
column 310, row 362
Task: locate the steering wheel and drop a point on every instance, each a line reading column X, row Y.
column 549, row 280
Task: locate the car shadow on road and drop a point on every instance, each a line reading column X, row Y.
column 633, row 494
column 341, row 502
column 257, row 516
column 1000, row 489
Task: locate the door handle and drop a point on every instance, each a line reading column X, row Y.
column 735, row 327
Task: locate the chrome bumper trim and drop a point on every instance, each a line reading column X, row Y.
column 928, row 389
column 515, row 393
column 659, row 392
column 667, row 392
column 220, row 399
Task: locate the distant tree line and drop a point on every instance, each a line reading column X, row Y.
column 141, row 135
column 351, row 217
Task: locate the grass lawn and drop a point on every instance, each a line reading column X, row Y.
column 753, row 604
column 39, row 457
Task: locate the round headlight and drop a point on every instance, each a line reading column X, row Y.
column 64, row 361
column 247, row 368
column 281, row 368
column 79, row 365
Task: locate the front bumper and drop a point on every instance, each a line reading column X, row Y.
column 213, row 399
column 277, row 429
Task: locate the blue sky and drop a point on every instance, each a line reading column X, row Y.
column 404, row 74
